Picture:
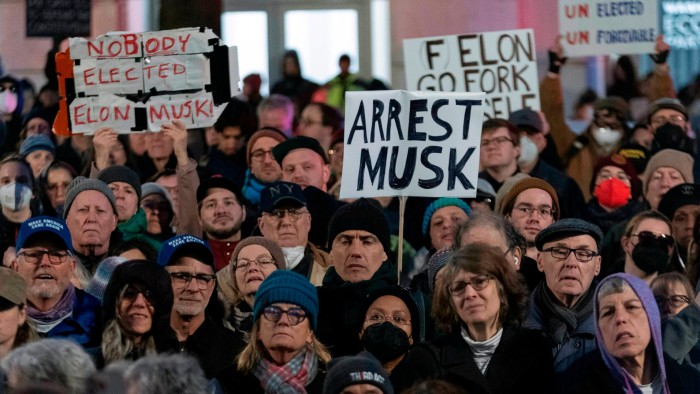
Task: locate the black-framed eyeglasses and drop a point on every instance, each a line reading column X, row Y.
column 398, row 319
column 675, row 301
column 478, row 282
column 293, row 214
column 259, row 154
column 497, row 140
column 56, row 257
column 131, row 292
column 242, row 265
column 545, row 212
column 274, row 314
column 562, row 253
column 649, row 237
column 184, row 279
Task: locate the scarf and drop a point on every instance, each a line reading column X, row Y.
column 289, row 378
column 560, row 320
column 60, row 311
column 293, row 255
column 483, row 351
column 252, row 187
column 242, row 317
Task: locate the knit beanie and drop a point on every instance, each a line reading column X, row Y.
column 666, row 103
column 441, row 203
column 402, row 293
column 438, row 260
column 642, row 290
column 505, row 188
column 271, row 246
column 270, row 132
column 361, row 369
column 613, row 103
column 81, row 184
column 149, row 188
column 525, row 184
column 35, row 143
column 98, row 283
column 364, row 215
column 287, row 287
column 121, row 174
column 678, row 160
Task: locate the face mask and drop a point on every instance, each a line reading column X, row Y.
column 528, row 151
column 8, row 102
column 612, row 193
column 672, row 136
column 385, row 341
column 650, row 257
column 606, row 137
column 293, row 255
column 15, row 196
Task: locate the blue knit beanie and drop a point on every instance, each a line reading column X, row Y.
column 99, row 281
column 441, row 203
column 35, row 143
column 287, row 287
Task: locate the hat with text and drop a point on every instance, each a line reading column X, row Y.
column 185, row 246
column 361, row 369
column 679, row 196
column 44, row 225
column 279, row 192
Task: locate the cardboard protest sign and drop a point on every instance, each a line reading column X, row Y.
column 134, row 82
column 400, row 143
column 502, row 64
column 595, row 27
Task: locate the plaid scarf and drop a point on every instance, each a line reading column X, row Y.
column 290, row 378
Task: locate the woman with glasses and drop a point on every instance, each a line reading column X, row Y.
column 135, row 312
column 480, row 300
column 672, row 292
column 253, row 260
column 283, row 355
column 391, row 319
column 648, row 244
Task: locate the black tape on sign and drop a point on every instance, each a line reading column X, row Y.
column 220, row 78
column 140, row 120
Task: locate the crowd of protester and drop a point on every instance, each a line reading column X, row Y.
column 223, row 261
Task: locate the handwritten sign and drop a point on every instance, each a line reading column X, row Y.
column 595, row 27
column 502, row 64
column 138, row 81
column 400, row 143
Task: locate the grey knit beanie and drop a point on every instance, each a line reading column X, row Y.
column 121, row 174
column 81, row 184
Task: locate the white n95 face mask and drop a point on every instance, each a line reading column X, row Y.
column 15, row 196
column 528, row 151
column 606, row 137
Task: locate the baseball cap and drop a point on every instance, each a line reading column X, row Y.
column 44, row 224
column 185, row 246
column 280, row 191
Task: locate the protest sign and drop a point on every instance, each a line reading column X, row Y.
column 400, row 143
column 502, row 64
column 595, row 27
column 51, row 18
column 134, row 82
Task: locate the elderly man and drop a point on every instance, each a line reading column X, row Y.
column 561, row 306
column 360, row 245
column 91, row 216
column 190, row 263
column 54, row 306
column 286, row 221
column 263, row 169
column 667, row 121
column 221, row 215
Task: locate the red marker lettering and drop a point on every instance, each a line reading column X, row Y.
column 123, row 115
column 95, row 48
column 168, row 43
column 178, row 69
column 104, row 114
column 152, row 45
column 131, row 47
column 114, row 48
column 89, row 72
column 78, row 114
column 183, row 42
column 128, row 76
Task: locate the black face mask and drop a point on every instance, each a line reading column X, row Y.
column 385, row 341
column 671, row 136
column 651, row 257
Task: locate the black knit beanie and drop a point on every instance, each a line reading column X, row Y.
column 121, row 174
column 362, row 214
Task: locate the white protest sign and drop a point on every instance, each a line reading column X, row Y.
column 400, row 143
column 87, row 113
column 185, row 74
column 502, row 64
column 598, row 27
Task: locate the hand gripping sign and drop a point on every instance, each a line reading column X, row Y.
column 135, row 82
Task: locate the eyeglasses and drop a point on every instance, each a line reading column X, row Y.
column 497, row 140
column 56, row 257
column 274, row 314
column 132, row 292
column 398, row 319
column 184, row 279
column 649, row 237
column 563, row 253
column 293, row 214
column 676, row 301
column 242, row 265
column 658, row 121
column 527, row 210
column 259, row 154
column 478, row 283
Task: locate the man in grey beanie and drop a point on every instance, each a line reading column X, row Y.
column 91, row 217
